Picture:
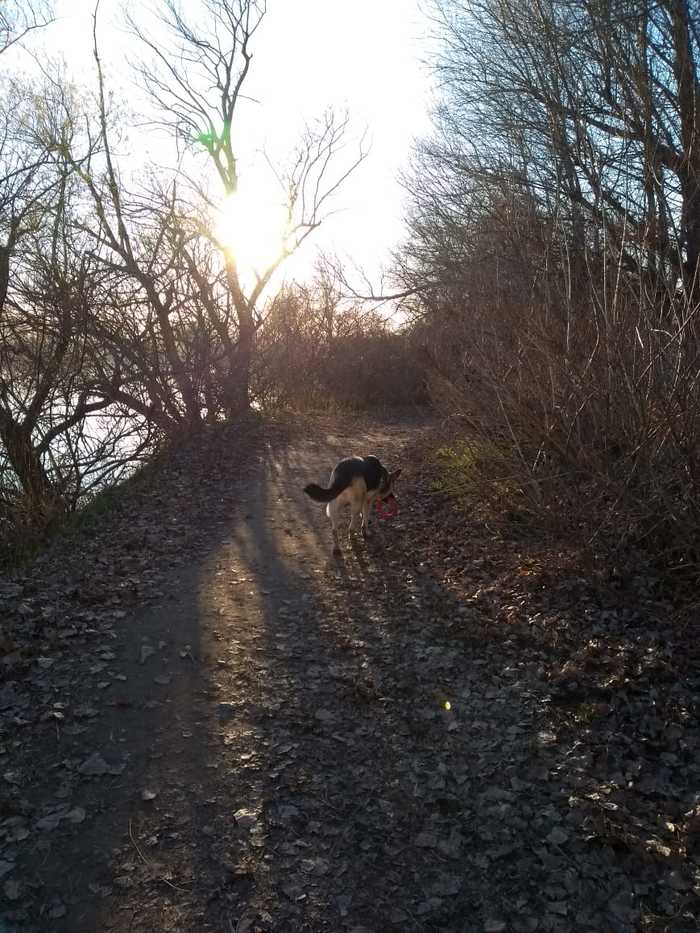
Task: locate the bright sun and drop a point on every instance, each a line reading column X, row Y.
column 253, row 227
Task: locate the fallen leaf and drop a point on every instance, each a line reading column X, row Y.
column 146, row 652
column 557, row 836
column 245, row 818
column 94, row 766
column 76, row 815
column 50, row 822
column 11, row 889
column 426, row 840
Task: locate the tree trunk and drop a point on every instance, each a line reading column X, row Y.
column 4, row 274
column 685, row 70
column 238, row 400
column 691, row 232
column 26, row 462
column 239, row 395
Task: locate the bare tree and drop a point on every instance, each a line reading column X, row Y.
column 18, row 18
column 46, row 296
column 127, row 234
column 590, row 108
column 196, row 78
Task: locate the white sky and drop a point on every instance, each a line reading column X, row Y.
column 308, row 55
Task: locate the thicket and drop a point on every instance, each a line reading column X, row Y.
column 554, row 241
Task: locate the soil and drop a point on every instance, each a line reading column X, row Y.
column 208, row 723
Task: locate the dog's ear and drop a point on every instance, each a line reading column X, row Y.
column 395, row 475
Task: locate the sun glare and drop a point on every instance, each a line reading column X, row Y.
column 253, row 228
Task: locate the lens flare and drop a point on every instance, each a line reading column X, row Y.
column 252, row 227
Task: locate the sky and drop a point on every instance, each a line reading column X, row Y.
column 309, row 55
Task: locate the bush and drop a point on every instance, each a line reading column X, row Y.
column 315, row 356
column 588, row 421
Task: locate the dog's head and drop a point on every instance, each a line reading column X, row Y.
column 387, row 489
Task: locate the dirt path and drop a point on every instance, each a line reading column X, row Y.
column 281, row 741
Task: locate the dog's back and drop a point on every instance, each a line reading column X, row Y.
column 346, row 473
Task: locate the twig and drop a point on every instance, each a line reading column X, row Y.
column 136, row 846
column 146, row 862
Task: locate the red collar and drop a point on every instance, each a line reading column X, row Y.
column 388, row 508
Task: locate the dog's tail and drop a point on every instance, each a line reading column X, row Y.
column 319, row 494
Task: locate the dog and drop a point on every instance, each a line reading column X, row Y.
column 358, row 481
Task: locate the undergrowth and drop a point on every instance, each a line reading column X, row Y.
column 477, row 475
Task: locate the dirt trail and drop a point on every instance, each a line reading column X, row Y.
column 284, row 741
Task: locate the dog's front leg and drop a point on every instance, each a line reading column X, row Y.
column 354, row 516
column 366, row 509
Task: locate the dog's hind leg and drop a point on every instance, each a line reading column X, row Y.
column 332, row 510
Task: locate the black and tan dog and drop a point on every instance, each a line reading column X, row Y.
column 357, row 481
